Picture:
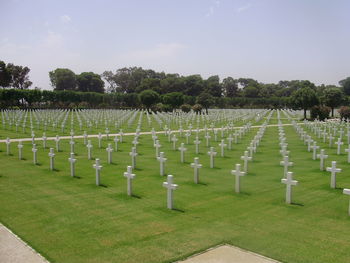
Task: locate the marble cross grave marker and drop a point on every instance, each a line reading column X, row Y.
column 289, row 182
column 322, row 156
column 238, row 173
column 334, row 170
column 196, row 166
column 129, row 176
column 97, row 168
column 72, row 161
column 170, row 186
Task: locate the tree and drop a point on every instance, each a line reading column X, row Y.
column 63, row 79
column 194, row 85
column 90, row 82
column 332, row 97
column 213, row 86
column 230, row 87
column 148, row 98
column 206, row 100
column 345, row 83
column 251, row 92
column 19, row 76
column 175, row 99
column 304, row 98
column 5, row 75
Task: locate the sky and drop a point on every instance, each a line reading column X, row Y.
column 267, row 40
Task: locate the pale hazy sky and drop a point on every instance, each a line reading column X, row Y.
column 268, row 40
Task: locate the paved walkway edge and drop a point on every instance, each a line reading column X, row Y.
column 27, row 247
column 228, row 245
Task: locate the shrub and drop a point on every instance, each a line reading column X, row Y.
column 320, row 112
column 344, row 112
column 197, row 108
column 185, row 107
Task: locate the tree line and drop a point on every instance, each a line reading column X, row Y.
column 135, row 87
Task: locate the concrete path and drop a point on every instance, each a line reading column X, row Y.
column 14, row 250
column 127, row 134
column 228, row 254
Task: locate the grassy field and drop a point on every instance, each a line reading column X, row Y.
column 73, row 220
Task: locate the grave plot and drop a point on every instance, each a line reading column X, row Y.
column 160, row 197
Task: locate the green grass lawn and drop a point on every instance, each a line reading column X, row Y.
column 73, row 220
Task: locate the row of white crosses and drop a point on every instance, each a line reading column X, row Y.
column 333, row 169
column 287, row 175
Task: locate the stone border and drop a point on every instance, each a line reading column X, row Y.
column 26, row 248
column 233, row 260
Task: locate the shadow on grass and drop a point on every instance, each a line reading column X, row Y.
column 103, row 185
column 76, row 177
column 136, row 196
column 297, row 204
column 178, row 210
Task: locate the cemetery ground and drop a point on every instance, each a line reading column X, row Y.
column 70, row 219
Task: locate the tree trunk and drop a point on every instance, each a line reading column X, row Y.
column 304, row 114
column 332, row 112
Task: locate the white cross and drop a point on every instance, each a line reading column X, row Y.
column 85, row 137
column 109, row 150
column 57, row 140
column 309, row 141
column 98, row 168
column 207, row 137
column 246, row 158
column 174, row 140
column 187, row 135
column 197, row 142
column 8, row 143
column 215, row 135
column 116, row 140
column 135, row 142
column 52, row 159
column 238, row 173
column 157, row 146
column 20, row 147
column 99, row 140
column 182, row 149
column 107, row 133
column 251, row 148
column 72, row 161
column 71, row 142
column 322, row 156
column 230, row 139
column 334, row 170
column 170, row 188
column 212, row 154
column 339, row 143
column 314, row 148
column 161, row 160
column 34, row 150
column 289, row 182
column 284, row 151
column 222, row 146
column 348, row 151
column 133, row 155
column 347, row 192
column 89, row 146
column 196, row 166
column 330, row 140
column 286, row 163
column 121, row 133
column 44, row 141
column 129, row 176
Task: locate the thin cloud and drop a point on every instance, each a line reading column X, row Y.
column 244, row 8
column 65, row 19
